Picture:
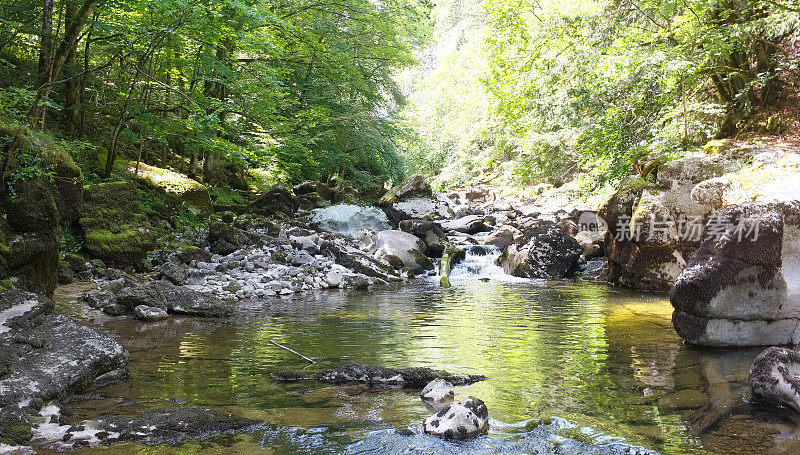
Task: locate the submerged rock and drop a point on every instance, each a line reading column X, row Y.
column 155, row 427
column 347, row 220
column 415, row 378
column 463, row 420
column 774, row 376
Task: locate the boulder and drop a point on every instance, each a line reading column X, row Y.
column 275, row 200
column 116, row 230
column 420, row 208
column 100, row 298
column 503, row 237
column 438, row 394
column 183, row 300
column 413, row 187
column 544, row 252
column 347, row 220
column 188, row 254
column 308, row 187
column 463, row 420
column 33, row 256
column 33, row 207
column 654, row 228
column 46, row 356
column 149, row 314
column 146, row 295
column 65, row 273
column 174, row 273
column 742, row 287
column 470, row 224
column 177, row 188
column 429, row 232
column 406, row 247
column 773, row 378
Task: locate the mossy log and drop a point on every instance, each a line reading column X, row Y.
column 450, row 255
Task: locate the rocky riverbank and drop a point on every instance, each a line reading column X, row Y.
column 312, row 238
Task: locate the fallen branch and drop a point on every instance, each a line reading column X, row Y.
column 293, row 351
column 450, row 255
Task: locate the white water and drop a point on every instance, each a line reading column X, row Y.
column 480, row 263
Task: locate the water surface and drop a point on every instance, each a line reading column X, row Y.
column 600, row 357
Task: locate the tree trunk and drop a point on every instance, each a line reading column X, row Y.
column 45, row 50
column 69, row 41
column 72, row 88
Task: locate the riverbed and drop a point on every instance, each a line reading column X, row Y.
column 605, row 359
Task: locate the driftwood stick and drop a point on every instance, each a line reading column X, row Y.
column 293, row 351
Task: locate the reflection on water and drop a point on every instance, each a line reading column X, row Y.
column 597, row 356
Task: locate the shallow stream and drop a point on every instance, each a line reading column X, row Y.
column 602, row 358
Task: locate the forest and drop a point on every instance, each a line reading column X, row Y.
column 400, row 226
column 463, row 91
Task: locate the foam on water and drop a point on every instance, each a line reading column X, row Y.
column 480, row 263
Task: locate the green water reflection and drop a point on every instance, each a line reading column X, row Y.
column 596, row 355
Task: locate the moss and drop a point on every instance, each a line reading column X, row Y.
column 116, row 231
column 177, row 188
column 717, row 146
column 33, row 207
column 17, row 434
column 68, row 182
column 43, row 271
column 6, row 284
column 278, row 256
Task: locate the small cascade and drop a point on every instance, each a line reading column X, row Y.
column 480, row 263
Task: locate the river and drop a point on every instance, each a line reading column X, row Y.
column 604, row 359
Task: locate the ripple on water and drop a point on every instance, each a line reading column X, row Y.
column 601, row 357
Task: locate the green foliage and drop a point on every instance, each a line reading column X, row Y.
column 303, row 89
column 72, row 241
column 529, row 92
column 29, row 167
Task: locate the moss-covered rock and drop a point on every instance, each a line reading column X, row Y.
column 68, row 182
column 32, row 256
column 33, row 207
column 177, row 188
column 116, row 230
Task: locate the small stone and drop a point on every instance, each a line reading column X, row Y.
column 149, row 314
column 114, row 309
column 438, row 394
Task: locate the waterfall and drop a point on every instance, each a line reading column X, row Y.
column 480, row 263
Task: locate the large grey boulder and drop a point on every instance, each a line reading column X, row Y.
column 409, row 249
column 44, row 356
column 544, row 252
column 347, row 219
column 420, row 208
column 742, row 287
column 463, row 420
column 429, row 232
column 470, row 224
